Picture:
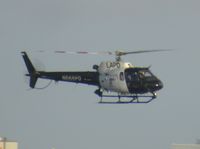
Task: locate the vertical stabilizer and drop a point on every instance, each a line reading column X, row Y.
column 32, row 72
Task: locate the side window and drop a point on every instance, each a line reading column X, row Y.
column 121, row 76
column 135, row 77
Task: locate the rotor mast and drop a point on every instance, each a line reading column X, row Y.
column 118, row 55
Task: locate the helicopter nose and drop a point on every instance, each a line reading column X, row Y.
column 158, row 85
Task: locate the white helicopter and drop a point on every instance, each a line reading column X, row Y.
column 133, row 84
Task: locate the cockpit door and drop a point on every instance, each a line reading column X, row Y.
column 134, row 80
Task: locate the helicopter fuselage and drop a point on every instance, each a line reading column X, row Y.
column 117, row 76
column 123, row 77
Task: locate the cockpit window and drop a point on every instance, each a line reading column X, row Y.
column 132, row 76
column 145, row 73
column 137, row 74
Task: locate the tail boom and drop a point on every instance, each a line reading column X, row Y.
column 85, row 77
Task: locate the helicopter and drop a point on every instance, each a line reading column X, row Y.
column 134, row 84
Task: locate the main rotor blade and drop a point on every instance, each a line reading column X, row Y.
column 117, row 53
column 120, row 53
column 78, row 52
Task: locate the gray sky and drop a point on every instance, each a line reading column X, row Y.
column 67, row 115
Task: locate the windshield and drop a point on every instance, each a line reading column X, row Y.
column 141, row 80
column 145, row 73
column 135, row 74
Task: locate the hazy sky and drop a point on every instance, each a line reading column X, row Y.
column 67, row 115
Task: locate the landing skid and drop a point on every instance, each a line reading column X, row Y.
column 134, row 99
